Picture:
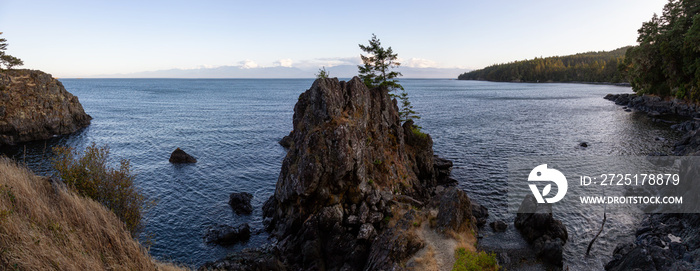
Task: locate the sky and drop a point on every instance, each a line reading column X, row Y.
column 90, row 38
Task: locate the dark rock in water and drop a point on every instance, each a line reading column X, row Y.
column 480, row 213
column 240, row 202
column 260, row 259
column 36, row 106
column 539, row 228
column 628, row 110
column 287, row 141
column 443, row 169
column 499, row 226
column 227, row 235
column 180, row 157
column 583, row 145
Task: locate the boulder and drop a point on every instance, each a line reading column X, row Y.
column 227, row 235
column 498, row 226
column 181, row 157
column 454, row 211
column 480, row 213
column 539, row 228
column 240, row 202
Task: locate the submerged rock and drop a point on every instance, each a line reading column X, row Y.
column 36, row 106
column 180, row 157
column 240, row 202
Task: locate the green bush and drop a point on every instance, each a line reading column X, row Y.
column 90, row 176
column 474, row 261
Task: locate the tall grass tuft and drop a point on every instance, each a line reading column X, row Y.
column 90, row 175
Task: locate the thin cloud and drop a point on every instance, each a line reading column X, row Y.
column 285, row 62
column 415, row 62
column 248, row 64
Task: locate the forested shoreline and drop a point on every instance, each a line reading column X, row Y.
column 590, row 67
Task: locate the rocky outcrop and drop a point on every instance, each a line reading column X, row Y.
column 663, row 242
column 36, row 106
column 181, row 157
column 240, row 203
column 655, row 105
column 227, row 235
column 356, row 183
column 538, row 227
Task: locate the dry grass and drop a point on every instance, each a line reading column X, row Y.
column 46, row 229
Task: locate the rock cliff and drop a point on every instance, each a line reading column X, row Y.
column 357, row 187
column 36, row 106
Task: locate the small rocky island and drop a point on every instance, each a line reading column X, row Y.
column 360, row 191
column 36, row 106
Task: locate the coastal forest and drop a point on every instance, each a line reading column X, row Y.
column 667, row 60
column 584, row 67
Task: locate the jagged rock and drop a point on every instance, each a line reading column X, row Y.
column 180, row 157
column 287, row 141
column 349, row 162
column 35, row 106
column 261, row 259
column 367, row 231
column 499, row 226
column 583, row 145
column 454, row 211
column 663, row 242
column 240, row 202
column 227, row 235
column 480, row 213
column 443, row 169
column 539, row 228
column 394, row 245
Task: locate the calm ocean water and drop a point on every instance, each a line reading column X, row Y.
column 232, row 127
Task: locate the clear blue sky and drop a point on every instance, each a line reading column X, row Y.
column 82, row 38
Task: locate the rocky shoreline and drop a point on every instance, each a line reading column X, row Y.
column 663, row 241
column 36, row 106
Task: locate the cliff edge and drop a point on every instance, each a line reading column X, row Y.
column 36, row 106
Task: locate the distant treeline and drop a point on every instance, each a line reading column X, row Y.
column 667, row 60
column 585, row 67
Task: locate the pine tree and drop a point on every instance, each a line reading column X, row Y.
column 7, row 60
column 376, row 71
column 322, row 73
column 406, row 112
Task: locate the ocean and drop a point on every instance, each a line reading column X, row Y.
column 232, row 127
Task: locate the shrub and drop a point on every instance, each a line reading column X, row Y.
column 473, row 261
column 90, row 176
column 416, row 130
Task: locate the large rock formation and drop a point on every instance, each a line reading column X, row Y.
column 35, row 106
column 355, row 183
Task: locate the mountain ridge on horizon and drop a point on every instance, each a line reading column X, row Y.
column 341, row 71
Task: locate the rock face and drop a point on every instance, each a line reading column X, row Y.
column 352, row 181
column 181, row 157
column 539, row 228
column 35, row 106
column 240, row 203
